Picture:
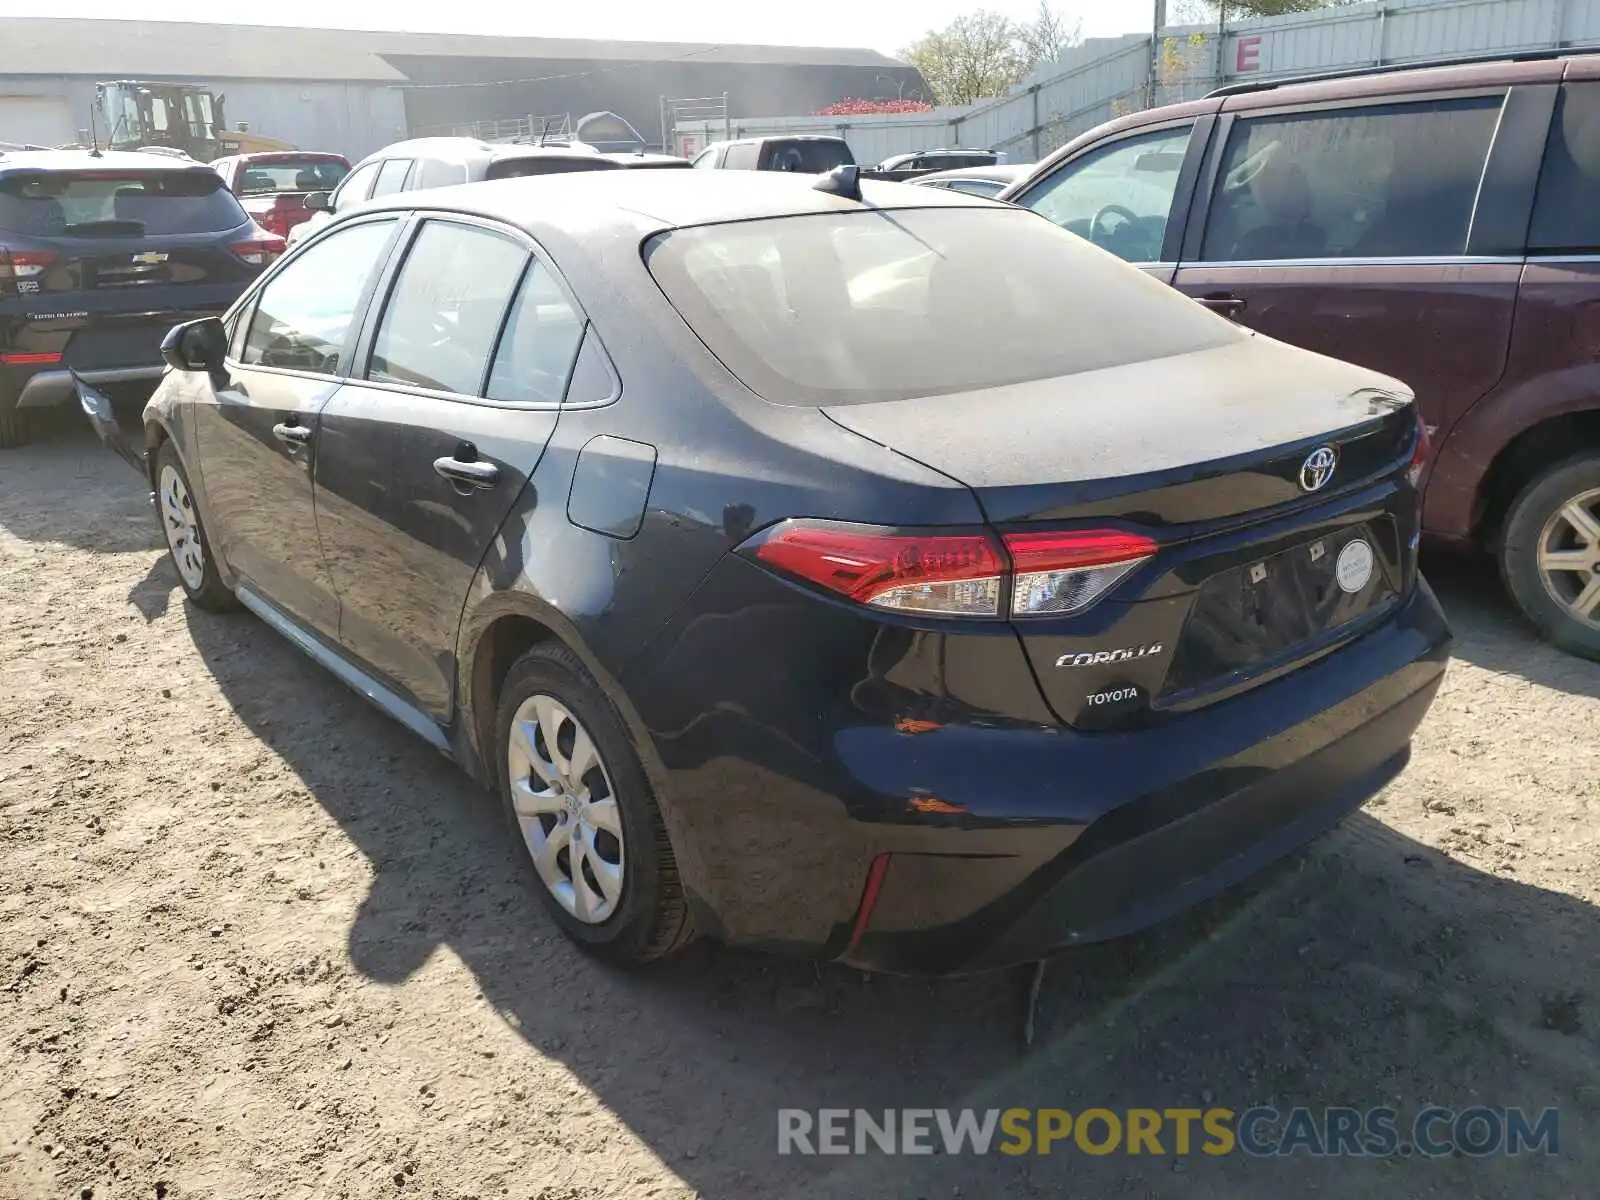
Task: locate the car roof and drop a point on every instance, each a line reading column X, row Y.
column 85, row 160
column 272, row 156
column 658, row 200
column 999, row 172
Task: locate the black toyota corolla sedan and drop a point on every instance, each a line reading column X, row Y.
column 870, row 572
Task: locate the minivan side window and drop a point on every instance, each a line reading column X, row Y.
column 706, row 158
column 741, row 156
column 1566, row 212
column 446, row 308
column 541, row 339
column 438, row 172
column 356, row 187
column 1117, row 196
column 305, row 310
column 1389, row 181
column 392, row 177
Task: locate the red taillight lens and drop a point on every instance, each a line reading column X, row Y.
column 259, row 251
column 1419, row 456
column 24, row 264
column 1064, row 571
column 953, row 575
column 29, row 360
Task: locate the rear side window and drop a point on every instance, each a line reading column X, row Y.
column 540, row 342
column 1396, row 180
column 120, row 203
column 306, row 309
column 866, row 306
column 392, row 177
column 436, row 172
column 1566, row 213
column 291, row 175
column 357, row 186
column 446, row 308
column 806, row 157
column 741, row 156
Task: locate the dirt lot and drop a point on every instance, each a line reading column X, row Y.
column 257, row 941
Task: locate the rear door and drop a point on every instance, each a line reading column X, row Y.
column 1122, row 194
column 257, row 423
column 464, row 369
column 1349, row 229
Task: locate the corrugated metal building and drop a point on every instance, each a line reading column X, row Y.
column 355, row 91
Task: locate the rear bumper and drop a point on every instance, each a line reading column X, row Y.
column 50, row 389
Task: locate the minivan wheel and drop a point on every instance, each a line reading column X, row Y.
column 1550, row 554
column 179, row 514
column 577, row 796
column 16, row 429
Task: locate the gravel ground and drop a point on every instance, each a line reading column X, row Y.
column 257, row 941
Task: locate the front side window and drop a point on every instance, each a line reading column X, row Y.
column 895, row 304
column 1566, row 214
column 1393, row 180
column 706, row 158
column 305, row 311
column 392, row 177
column 1118, row 196
column 540, row 342
column 741, row 156
column 446, row 308
column 357, row 186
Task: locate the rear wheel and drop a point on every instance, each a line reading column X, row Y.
column 1550, row 555
column 16, row 429
column 186, row 535
column 582, row 808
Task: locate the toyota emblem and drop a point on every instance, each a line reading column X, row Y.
column 1317, row 469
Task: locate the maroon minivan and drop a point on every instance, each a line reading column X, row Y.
column 1441, row 225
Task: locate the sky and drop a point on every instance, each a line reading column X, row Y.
column 886, row 25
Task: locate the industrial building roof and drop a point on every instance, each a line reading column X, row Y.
column 109, row 49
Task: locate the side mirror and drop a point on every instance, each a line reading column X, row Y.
column 318, row 202
column 196, row 345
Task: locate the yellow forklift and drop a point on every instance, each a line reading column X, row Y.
column 170, row 118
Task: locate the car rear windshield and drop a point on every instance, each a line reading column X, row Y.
column 889, row 304
column 807, row 156
column 291, row 175
column 546, row 164
column 117, row 203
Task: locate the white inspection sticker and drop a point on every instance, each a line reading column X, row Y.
column 1354, row 566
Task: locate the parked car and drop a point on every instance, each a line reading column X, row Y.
column 975, row 181
column 446, row 161
column 99, row 254
column 273, row 187
column 807, row 154
column 1439, row 224
column 896, row 580
column 901, row 168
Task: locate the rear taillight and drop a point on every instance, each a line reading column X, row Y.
column 260, row 250
column 953, row 574
column 1064, row 572
column 21, row 359
column 1419, row 455
column 23, row 264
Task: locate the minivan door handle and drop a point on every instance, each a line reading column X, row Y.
column 295, row 436
column 1224, row 304
column 480, row 475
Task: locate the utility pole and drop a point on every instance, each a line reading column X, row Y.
column 1159, row 24
column 1222, row 41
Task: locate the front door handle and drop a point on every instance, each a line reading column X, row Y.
column 472, row 474
column 295, row 436
column 1226, row 305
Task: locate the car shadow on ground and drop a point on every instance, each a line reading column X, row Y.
column 79, row 511
column 1370, row 971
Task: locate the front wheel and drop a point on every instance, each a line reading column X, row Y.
column 186, row 535
column 581, row 805
column 1550, row 555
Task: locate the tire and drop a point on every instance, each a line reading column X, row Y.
column 187, row 544
column 643, row 916
column 16, row 429
column 1536, row 527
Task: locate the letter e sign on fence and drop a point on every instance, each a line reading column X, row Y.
column 1247, row 54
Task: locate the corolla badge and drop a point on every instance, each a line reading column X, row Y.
column 1318, row 468
column 1094, row 658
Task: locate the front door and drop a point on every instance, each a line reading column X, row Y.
column 257, row 426
column 419, row 463
column 1345, row 230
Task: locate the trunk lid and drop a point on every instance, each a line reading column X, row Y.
column 1266, row 556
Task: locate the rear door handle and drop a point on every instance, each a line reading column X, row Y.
column 472, row 474
column 1227, row 306
column 293, row 436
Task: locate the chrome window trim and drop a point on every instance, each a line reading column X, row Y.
column 1439, row 260
column 1535, row 256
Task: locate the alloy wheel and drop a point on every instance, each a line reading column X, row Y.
column 566, row 808
column 182, row 527
column 1569, row 556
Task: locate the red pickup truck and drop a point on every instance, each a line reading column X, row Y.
column 273, row 187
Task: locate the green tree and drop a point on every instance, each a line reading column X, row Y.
column 976, row 55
